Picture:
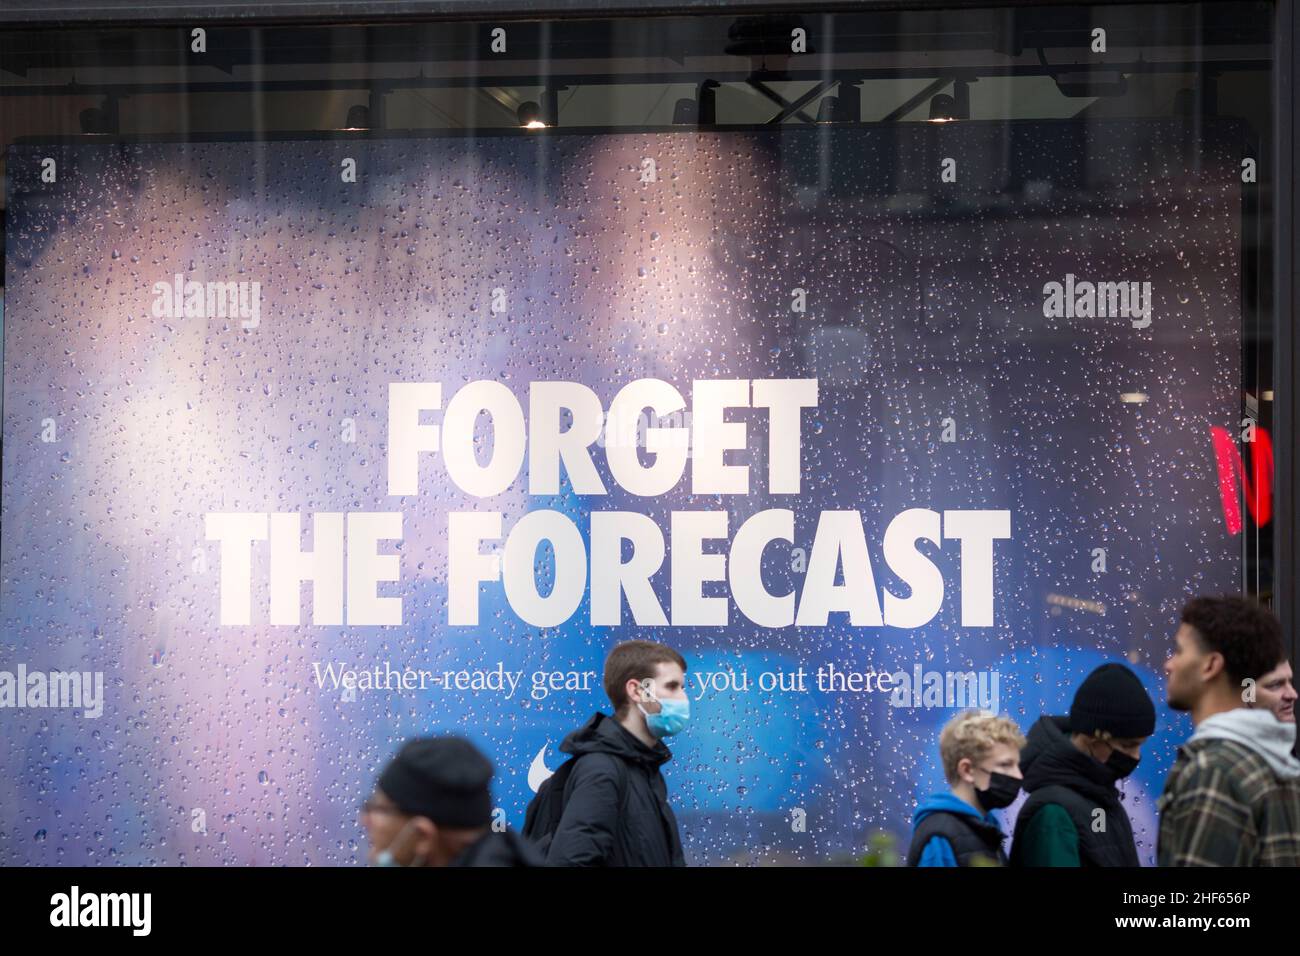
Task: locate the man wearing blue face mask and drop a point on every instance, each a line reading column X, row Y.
column 608, row 804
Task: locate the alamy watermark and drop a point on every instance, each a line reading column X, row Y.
column 24, row 688
column 205, row 300
column 1076, row 298
column 957, row 689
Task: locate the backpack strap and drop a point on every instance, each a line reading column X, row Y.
column 546, row 809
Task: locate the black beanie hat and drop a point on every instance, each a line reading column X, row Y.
column 442, row 778
column 1112, row 699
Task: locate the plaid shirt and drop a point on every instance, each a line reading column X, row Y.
column 1224, row 805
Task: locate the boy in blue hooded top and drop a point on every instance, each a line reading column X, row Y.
column 981, row 761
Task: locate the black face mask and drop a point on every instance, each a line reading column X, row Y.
column 1121, row 764
column 1002, row 792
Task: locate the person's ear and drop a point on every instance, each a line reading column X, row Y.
column 414, row 841
column 1212, row 667
column 645, row 688
column 964, row 767
column 423, row 840
column 633, row 690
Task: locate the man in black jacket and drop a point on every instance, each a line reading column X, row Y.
column 1074, row 816
column 615, row 801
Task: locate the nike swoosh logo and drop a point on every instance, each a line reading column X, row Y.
column 538, row 772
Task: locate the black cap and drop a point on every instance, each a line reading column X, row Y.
column 1113, row 699
column 442, row 778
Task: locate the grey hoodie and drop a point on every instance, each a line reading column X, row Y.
column 1259, row 730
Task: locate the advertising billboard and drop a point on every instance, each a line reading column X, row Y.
column 311, row 446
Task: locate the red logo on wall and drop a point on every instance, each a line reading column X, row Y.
column 1256, row 487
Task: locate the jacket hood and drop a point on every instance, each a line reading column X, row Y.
column 948, row 803
column 1258, row 730
column 1049, row 758
column 604, row 734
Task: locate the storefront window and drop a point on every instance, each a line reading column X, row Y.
column 363, row 382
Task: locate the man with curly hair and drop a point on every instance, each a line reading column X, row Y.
column 1233, row 795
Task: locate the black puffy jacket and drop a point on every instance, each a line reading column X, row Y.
column 1058, row 772
column 615, row 815
column 974, row 841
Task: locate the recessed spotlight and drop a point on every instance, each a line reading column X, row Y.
column 943, row 108
column 530, row 115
